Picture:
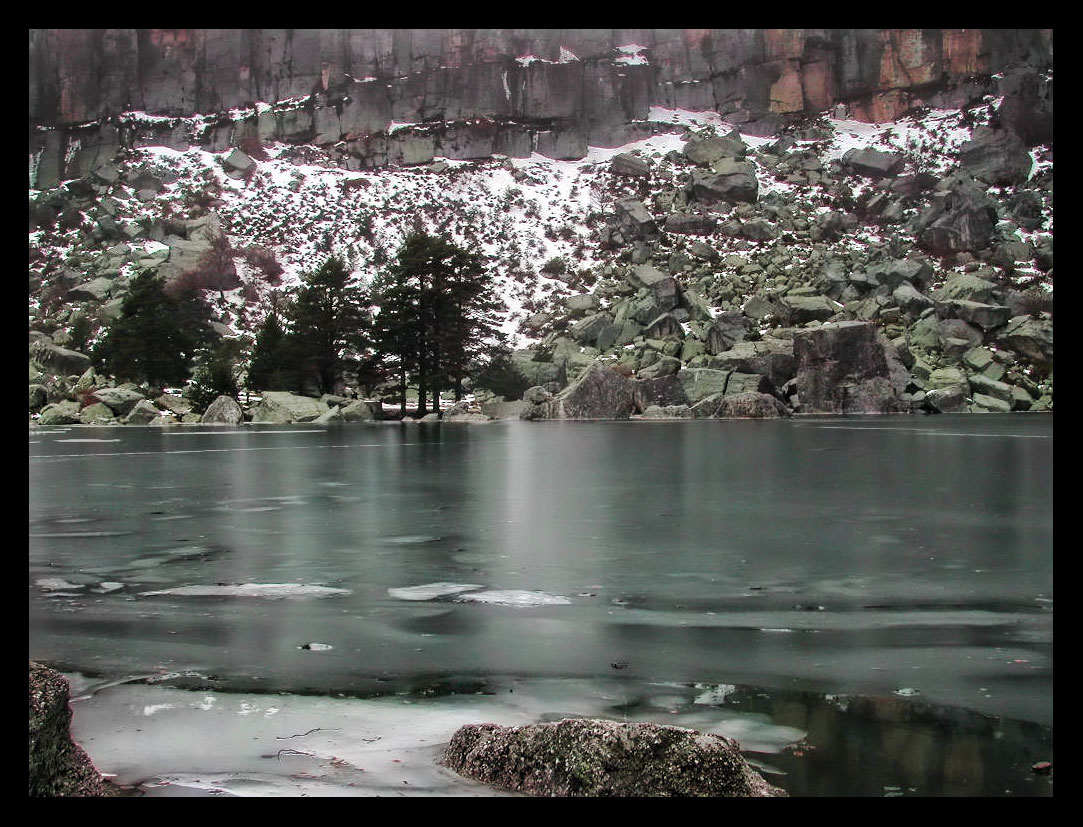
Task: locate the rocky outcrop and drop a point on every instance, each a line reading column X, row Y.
column 842, row 368
column 58, row 360
column 751, row 404
column 600, row 393
column 282, row 408
column 58, row 766
column 582, row 757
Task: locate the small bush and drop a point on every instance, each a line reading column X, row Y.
column 1035, row 301
column 215, row 271
column 253, row 147
column 264, row 260
column 555, row 266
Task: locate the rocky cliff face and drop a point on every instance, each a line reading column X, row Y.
column 474, row 92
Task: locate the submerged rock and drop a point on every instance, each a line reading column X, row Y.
column 583, row 757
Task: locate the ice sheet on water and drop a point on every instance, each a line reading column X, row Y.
column 714, row 695
column 432, row 591
column 52, row 584
column 470, row 593
column 288, row 745
column 269, row 590
column 755, row 732
column 514, row 597
column 412, row 539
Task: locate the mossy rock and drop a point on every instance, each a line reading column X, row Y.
column 587, row 757
column 58, row 766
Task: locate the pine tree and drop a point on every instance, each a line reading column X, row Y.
column 471, row 318
column 327, row 324
column 272, row 367
column 396, row 329
column 157, row 337
column 437, row 315
column 215, row 375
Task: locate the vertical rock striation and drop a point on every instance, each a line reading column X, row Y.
column 507, row 91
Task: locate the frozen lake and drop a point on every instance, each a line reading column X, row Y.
column 848, row 597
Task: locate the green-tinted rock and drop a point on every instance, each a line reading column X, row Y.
column 978, row 358
column 994, row 370
column 924, row 334
column 966, row 287
column 39, row 395
column 981, row 403
column 946, row 378
column 802, row 309
column 741, row 383
column 691, row 348
column 665, row 366
column 984, row 385
column 361, row 411
column 1029, row 337
column 985, row 316
column 64, row 412
column 951, row 399
column 280, row 407
column 144, row 413
column 97, row 414
column 699, row 383
column 1021, row 400
column 119, row 400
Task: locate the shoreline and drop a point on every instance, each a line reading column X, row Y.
column 152, row 739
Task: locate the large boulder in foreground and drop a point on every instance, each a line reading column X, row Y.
column 842, row 367
column 58, row 766
column 600, row 393
column 584, row 757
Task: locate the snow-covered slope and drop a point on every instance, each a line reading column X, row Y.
column 537, row 220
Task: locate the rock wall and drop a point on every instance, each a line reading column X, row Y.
column 508, row 91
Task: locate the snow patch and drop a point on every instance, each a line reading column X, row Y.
column 431, row 591
column 514, row 597
column 268, row 590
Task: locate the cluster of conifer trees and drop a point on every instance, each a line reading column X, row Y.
column 428, row 321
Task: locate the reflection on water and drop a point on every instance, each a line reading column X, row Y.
column 861, row 746
column 906, row 560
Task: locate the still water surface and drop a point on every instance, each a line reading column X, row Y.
column 872, row 595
